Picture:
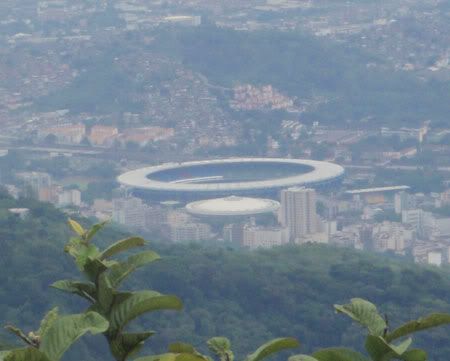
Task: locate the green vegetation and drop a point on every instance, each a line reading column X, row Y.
column 304, row 66
column 379, row 341
column 245, row 296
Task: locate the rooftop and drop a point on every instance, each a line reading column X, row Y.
column 233, row 206
column 378, row 190
column 321, row 172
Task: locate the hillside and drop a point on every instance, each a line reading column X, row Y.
column 356, row 85
column 248, row 297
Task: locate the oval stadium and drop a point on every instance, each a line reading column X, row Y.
column 261, row 177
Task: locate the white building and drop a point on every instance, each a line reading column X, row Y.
column 298, row 211
column 423, row 222
column 391, row 236
column 71, row 197
column 134, row 213
column 403, row 202
column 263, row 237
column 434, row 258
column 190, row 232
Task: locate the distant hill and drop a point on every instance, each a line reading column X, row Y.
column 249, row 297
column 357, row 85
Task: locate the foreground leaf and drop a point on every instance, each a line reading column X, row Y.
column 121, row 270
column 221, row 347
column 380, row 350
column 94, row 229
column 105, row 293
column 430, row 321
column 302, row 358
column 26, row 354
column 181, row 347
column 414, row 355
column 121, row 246
column 129, row 306
column 365, row 313
column 338, row 354
column 272, row 347
column 128, row 344
column 48, row 321
column 173, row 357
column 76, row 227
column 67, row 329
column 85, row 290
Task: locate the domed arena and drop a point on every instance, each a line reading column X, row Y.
column 254, row 177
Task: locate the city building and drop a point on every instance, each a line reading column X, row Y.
column 40, row 185
column 264, row 237
column 103, row 135
column 143, row 136
column 71, row 197
column 190, row 232
column 434, row 258
column 391, row 236
column 403, row 202
column 423, row 222
column 66, row 134
column 134, row 213
column 298, row 211
column 377, row 195
column 233, row 233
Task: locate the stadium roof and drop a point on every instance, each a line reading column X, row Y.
column 378, row 190
column 232, row 206
column 321, row 172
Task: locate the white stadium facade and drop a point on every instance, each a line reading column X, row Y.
column 254, row 177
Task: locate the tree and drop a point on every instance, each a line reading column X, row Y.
column 379, row 341
column 111, row 310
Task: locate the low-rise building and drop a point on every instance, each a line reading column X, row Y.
column 103, row 135
column 66, row 134
column 264, row 237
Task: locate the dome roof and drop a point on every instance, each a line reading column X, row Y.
column 232, row 206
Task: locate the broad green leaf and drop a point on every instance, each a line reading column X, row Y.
column 105, row 293
column 67, row 329
column 120, row 271
column 302, row 358
column 128, row 344
column 74, row 246
column 93, row 268
column 93, row 231
column 86, row 290
column 26, row 354
column 86, row 253
column 414, row 355
column 181, row 347
column 338, row 354
column 365, row 313
column 76, row 227
column 47, row 321
column 121, row 246
column 221, row 347
column 129, row 306
column 173, row 357
column 271, row 347
column 430, row 321
column 380, row 350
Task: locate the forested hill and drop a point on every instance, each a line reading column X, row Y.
column 290, row 291
column 249, row 297
column 357, row 86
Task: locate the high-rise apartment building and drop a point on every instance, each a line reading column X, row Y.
column 298, row 211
